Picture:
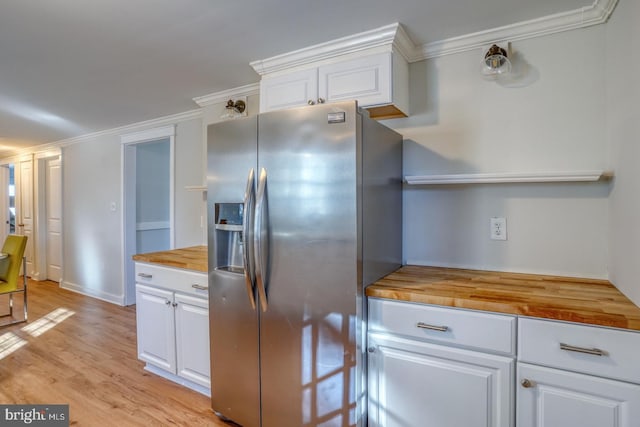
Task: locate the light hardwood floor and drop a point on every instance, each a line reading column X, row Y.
column 81, row 351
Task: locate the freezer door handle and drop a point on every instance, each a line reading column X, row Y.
column 261, row 237
column 247, row 231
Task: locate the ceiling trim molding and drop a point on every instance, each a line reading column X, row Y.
column 598, row 13
column 386, row 37
column 223, row 96
column 161, row 121
column 148, row 134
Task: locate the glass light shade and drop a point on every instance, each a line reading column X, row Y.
column 496, row 62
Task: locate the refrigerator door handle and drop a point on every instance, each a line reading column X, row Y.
column 247, row 231
column 260, row 237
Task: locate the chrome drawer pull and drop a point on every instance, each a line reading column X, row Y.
column 145, row 276
column 432, row 327
column 199, row 287
column 593, row 351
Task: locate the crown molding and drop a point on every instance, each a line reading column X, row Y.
column 161, row 132
column 134, row 127
column 387, row 37
column 598, row 13
column 223, row 96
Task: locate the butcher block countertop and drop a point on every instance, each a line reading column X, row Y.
column 596, row 302
column 193, row 258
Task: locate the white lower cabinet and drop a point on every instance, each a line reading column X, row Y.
column 156, row 327
column 446, row 367
column 192, row 351
column 413, row 383
column 550, row 397
column 173, row 326
column 421, row 371
column 577, row 375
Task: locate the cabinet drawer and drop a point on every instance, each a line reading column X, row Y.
column 473, row 329
column 175, row 279
column 560, row 345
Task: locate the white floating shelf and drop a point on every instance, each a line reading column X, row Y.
column 508, row 177
column 195, row 187
column 229, row 227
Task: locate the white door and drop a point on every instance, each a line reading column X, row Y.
column 53, row 209
column 24, row 207
column 5, row 195
column 156, row 327
column 192, row 338
column 412, row 383
column 553, row 398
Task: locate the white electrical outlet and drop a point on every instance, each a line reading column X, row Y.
column 498, row 228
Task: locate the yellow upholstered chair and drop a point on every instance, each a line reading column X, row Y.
column 11, row 260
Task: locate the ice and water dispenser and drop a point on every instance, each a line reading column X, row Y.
column 229, row 237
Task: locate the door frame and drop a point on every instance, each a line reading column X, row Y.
column 128, row 191
column 40, row 213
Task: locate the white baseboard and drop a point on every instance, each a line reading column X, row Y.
column 104, row 296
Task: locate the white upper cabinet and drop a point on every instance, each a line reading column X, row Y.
column 369, row 68
column 290, row 90
column 378, row 82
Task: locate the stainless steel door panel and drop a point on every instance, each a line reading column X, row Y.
column 308, row 341
column 235, row 376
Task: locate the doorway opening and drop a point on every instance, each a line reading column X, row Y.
column 148, row 198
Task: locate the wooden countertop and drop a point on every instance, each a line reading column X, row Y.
column 193, row 258
column 595, row 302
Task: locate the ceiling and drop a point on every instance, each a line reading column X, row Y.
column 69, row 68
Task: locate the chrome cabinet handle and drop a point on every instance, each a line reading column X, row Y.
column 175, row 304
column 320, row 100
column 145, row 276
column 311, row 102
column 167, row 302
column 260, row 236
column 432, row 327
column 526, row 383
column 592, row 351
column 199, row 287
column 247, row 231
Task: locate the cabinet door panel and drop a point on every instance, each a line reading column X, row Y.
column 560, row 398
column 192, row 335
column 290, row 90
column 413, row 383
column 366, row 79
column 156, row 330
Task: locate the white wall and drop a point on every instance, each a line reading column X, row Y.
column 92, row 235
column 551, row 118
column 189, row 172
column 623, row 133
column 92, row 181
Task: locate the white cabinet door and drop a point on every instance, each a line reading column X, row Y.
column 554, row 398
column 366, row 79
column 192, row 338
column 289, row 90
column 412, row 383
column 156, row 329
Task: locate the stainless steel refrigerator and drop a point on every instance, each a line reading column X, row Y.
column 304, row 210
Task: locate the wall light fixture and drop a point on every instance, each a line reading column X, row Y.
column 234, row 109
column 495, row 62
